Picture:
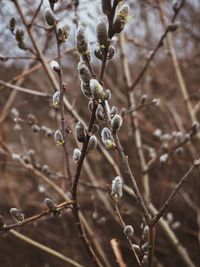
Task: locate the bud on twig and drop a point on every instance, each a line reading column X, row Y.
column 128, row 231
column 58, row 137
column 84, row 73
column 55, row 66
column 111, row 52
column 121, row 19
column 12, row 24
column 51, row 205
column 102, row 34
column 92, row 144
column 100, row 116
column 17, row 214
column 19, row 35
column 106, row 7
column 80, row 132
column 85, row 88
column 50, row 17
column 107, row 138
column 98, row 53
column 81, row 41
column 56, row 99
column 146, row 233
column 116, row 191
column 63, row 34
column 97, row 90
column 116, row 122
column 76, row 154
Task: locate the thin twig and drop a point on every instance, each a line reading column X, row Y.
column 35, row 14
column 153, row 53
column 25, row 90
column 45, row 248
column 34, row 218
column 129, row 239
column 177, row 188
column 62, row 110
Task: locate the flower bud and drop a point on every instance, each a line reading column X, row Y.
column 146, row 233
column 145, row 261
column 97, row 90
column 95, row 129
column 90, row 105
column 107, row 138
column 45, row 169
column 50, row 17
column 63, row 34
column 175, row 5
column 35, row 128
column 84, row 73
column 56, row 99
column 98, row 53
column 172, row 27
column 85, row 89
column 55, row 66
column 128, row 231
column 31, row 119
column 92, row 144
column 52, row 3
column 58, row 137
column 121, row 19
column 143, row 100
column 19, row 35
column 163, row 158
column 81, row 41
column 31, row 154
column 113, row 111
column 106, row 7
column 111, row 52
column 116, row 191
column 102, row 34
column 80, row 132
column 17, row 214
column 107, row 95
column 116, row 122
column 12, row 24
column 100, row 116
column 51, row 205
column 76, row 154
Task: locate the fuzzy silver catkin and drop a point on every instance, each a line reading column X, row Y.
column 51, row 205
column 121, row 19
column 56, row 99
column 128, row 231
column 80, row 131
column 17, row 214
column 106, row 7
column 117, row 184
column 81, row 41
column 85, row 89
column 63, row 33
column 116, row 122
column 107, row 138
column 76, row 155
column 97, row 90
column 92, row 144
column 54, row 65
column 84, row 73
column 58, row 137
column 102, row 34
column 50, row 17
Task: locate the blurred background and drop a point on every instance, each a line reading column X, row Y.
column 168, row 100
